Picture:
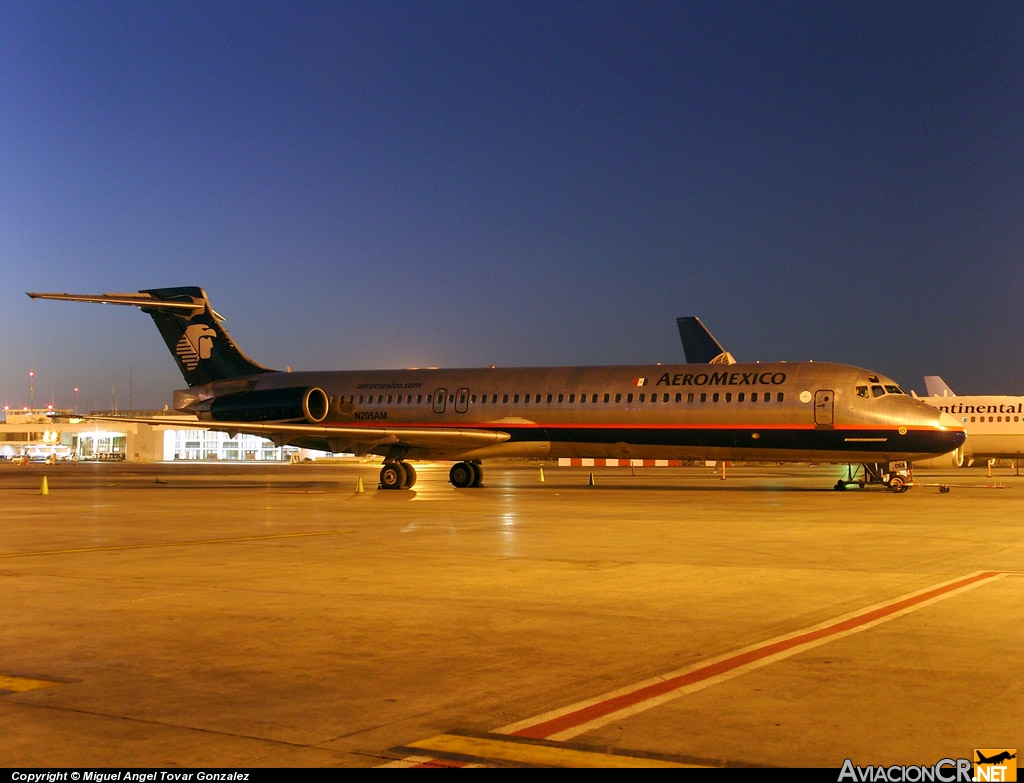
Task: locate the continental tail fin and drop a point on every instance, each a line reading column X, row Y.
column 192, row 329
column 698, row 344
column 937, row 387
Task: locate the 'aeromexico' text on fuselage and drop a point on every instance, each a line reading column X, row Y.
column 723, row 378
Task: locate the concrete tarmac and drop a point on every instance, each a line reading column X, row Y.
column 237, row 616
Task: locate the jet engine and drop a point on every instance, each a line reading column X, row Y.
column 954, row 459
column 287, row 404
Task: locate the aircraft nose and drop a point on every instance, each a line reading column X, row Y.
column 950, row 422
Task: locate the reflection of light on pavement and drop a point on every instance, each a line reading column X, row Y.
column 508, row 531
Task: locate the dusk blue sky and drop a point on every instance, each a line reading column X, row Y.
column 390, row 184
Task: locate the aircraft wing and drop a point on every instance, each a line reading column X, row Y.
column 358, row 440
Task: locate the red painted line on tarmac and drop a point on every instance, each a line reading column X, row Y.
column 592, row 712
column 441, row 764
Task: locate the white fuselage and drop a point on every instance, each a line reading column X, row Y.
column 994, row 425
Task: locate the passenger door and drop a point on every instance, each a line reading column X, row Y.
column 824, row 405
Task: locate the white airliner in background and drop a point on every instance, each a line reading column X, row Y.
column 994, row 424
column 785, row 412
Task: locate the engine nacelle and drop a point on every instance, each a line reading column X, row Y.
column 288, row 404
column 954, row 459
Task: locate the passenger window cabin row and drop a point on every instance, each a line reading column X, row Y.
column 571, row 399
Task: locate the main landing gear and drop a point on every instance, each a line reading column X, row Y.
column 397, row 475
column 466, row 474
column 896, row 476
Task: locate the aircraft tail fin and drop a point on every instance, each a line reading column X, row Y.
column 698, row 344
column 192, row 329
column 937, row 387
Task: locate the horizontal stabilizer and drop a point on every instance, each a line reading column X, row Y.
column 192, row 330
column 134, row 300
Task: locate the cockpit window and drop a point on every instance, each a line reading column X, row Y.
column 878, row 389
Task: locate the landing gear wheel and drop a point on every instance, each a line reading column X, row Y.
column 392, row 476
column 478, row 474
column 898, row 484
column 840, row 486
column 462, row 475
column 410, row 476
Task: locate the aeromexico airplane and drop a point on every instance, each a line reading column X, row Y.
column 785, row 412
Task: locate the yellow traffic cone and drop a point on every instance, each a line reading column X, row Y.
column 45, row 489
column 359, row 487
column 591, row 482
column 542, row 475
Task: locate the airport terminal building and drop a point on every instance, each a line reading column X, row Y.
column 42, row 434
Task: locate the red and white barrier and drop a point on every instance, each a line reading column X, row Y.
column 600, row 462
